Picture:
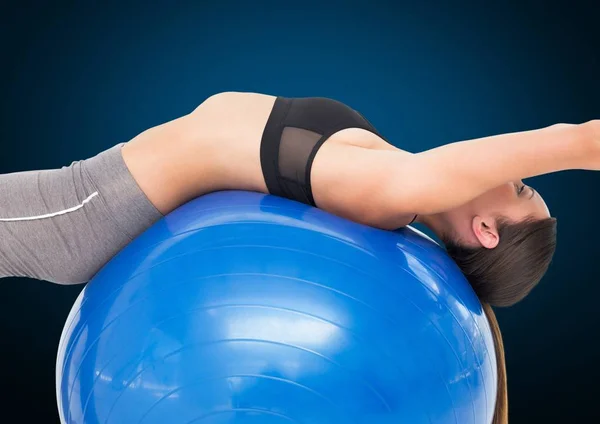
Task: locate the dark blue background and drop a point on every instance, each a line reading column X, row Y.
column 77, row 79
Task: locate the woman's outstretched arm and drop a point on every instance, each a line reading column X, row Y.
column 451, row 175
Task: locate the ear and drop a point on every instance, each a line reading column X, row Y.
column 486, row 232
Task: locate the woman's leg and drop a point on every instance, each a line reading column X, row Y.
column 62, row 225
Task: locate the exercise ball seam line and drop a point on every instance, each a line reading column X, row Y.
column 223, row 377
column 355, row 246
column 243, row 409
column 214, row 342
column 262, row 222
column 93, row 386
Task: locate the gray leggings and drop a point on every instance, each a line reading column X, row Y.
column 62, row 225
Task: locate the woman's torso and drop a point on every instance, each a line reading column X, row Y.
column 229, row 126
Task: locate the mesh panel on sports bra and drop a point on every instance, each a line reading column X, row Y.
column 294, row 151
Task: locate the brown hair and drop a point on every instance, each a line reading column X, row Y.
column 501, row 410
column 504, row 275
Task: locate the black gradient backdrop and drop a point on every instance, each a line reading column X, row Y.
column 79, row 77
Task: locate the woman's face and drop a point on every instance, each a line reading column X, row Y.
column 475, row 222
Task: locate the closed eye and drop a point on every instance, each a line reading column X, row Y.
column 519, row 189
column 522, row 188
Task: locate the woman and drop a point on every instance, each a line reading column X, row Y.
column 62, row 225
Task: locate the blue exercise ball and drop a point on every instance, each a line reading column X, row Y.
column 246, row 308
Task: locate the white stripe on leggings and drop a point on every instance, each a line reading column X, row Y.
column 50, row 215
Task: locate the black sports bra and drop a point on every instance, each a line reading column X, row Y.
column 295, row 130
